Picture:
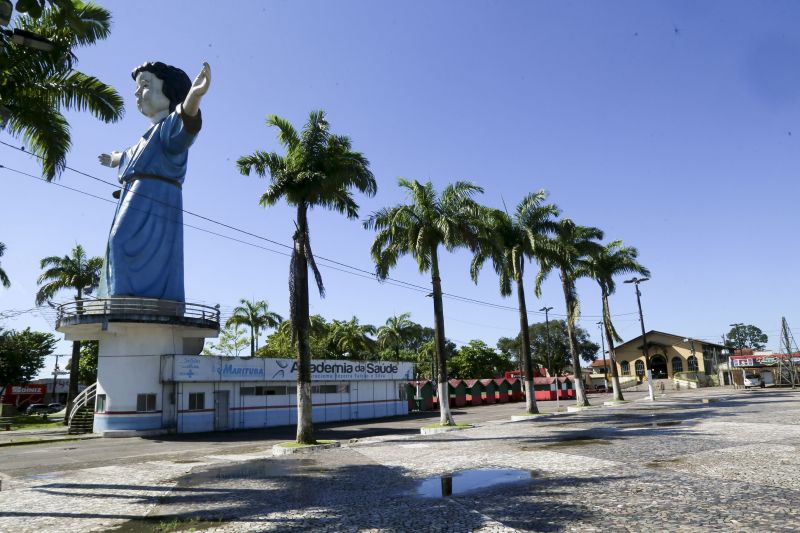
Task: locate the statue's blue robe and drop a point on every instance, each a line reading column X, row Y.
column 144, row 256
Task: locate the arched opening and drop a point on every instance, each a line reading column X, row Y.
column 658, row 365
column 640, row 368
column 677, row 365
column 625, row 368
column 692, row 363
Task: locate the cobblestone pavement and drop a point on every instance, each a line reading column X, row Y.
column 712, row 460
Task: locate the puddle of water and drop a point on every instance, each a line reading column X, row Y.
column 471, row 480
column 261, row 469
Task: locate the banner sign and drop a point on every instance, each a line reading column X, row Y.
column 212, row 368
column 754, row 361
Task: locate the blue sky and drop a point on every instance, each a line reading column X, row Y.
column 674, row 126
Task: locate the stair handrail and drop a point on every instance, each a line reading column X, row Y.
column 88, row 394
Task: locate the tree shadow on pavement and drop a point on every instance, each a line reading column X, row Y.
column 302, row 494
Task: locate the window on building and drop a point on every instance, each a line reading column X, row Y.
column 277, row 390
column 692, row 363
column 327, row 389
column 100, row 403
column 197, row 401
column 677, row 365
column 640, row 368
column 625, row 368
column 145, row 403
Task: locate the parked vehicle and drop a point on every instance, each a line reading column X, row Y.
column 37, row 408
column 752, row 380
column 55, row 407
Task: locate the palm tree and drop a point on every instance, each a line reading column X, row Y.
column 509, row 240
column 255, row 315
column 420, row 228
column 567, row 252
column 319, row 170
column 395, row 332
column 609, row 261
column 3, row 277
column 40, row 85
column 352, row 338
column 76, row 271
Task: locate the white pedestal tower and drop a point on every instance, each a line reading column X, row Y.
column 133, row 334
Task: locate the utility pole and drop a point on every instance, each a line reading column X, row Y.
column 547, row 333
column 55, row 380
column 603, row 348
column 651, row 389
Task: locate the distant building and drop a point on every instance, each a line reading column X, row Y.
column 669, row 354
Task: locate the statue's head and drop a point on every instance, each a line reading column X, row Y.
column 159, row 87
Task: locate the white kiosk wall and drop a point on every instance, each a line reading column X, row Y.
column 216, row 393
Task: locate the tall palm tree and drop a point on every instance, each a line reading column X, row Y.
column 395, row 332
column 609, row 261
column 419, row 228
column 81, row 273
column 38, row 85
column 255, row 315
column 352, row 338
column 567, row 252
column 319, row 169
column 509, row 241
column 3, row 276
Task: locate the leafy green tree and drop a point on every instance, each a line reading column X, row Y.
column 567, row 252
column 3, row 277
column 22, row 355
column 509, row 241
column 555, row 355
column 420, row 228
column 81, row 273
column 607, row 262
column 746, row 336
column 232, row 341
column 254, row 315
column 477, row 360
column 87, row 366
column 280, row 343
column 352, row 340
column 319, row 169
column 37, row 86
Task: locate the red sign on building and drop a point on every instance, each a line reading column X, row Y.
column 23, row 395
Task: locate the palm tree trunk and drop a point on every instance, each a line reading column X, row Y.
column 569, row 297
column 612, row 357
column 445, row 417
column 74, row 365
column 305, row 428
column 253, row 341
column 530, row 400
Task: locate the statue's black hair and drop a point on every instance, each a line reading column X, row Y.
column 176, row 82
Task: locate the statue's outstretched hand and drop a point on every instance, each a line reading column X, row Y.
column 199, row 87
column 110, row 160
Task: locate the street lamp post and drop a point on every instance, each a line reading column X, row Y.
column 603, row 348
column 55, row 381
column 651, row 389
column 547, row 333
column 691, row 344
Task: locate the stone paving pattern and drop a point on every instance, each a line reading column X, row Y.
column 707, row 460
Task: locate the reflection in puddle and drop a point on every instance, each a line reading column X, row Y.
column 471, row 480
column 261, row 469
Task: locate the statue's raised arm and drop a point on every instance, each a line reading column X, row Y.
column 200, row 87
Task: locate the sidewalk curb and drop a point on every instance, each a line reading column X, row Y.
column 46, row 441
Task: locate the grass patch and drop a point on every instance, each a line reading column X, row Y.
column 298, row 445
column 31, row 422
column 436, row 426
column 165, row 524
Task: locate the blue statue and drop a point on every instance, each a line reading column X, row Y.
column 144, row 256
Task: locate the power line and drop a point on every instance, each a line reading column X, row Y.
column 356, row 271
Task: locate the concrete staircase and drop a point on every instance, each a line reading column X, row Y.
column 82, row 421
